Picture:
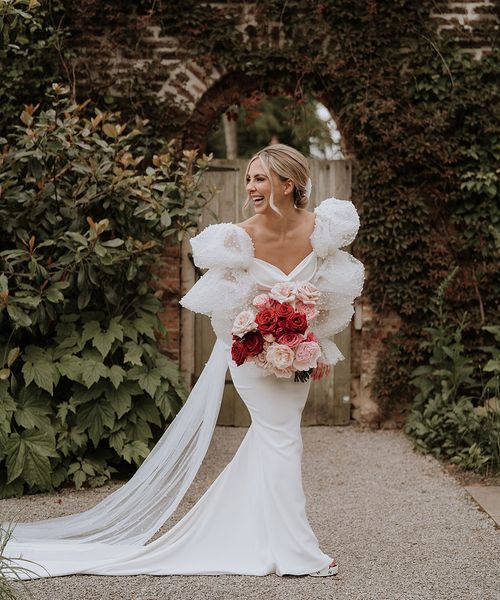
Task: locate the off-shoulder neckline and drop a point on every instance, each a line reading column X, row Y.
column 271, row 264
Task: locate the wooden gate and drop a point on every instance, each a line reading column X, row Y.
column 329, row 399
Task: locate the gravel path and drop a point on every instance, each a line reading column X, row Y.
column 400, row 527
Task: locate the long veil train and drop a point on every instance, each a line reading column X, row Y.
column 136, row 511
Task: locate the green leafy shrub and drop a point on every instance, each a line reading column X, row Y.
column 31, row 44
column 456, row 415
column 83, row 386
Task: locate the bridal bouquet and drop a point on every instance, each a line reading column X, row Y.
column 275, row 334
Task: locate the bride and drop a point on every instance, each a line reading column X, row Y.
column 277, row 289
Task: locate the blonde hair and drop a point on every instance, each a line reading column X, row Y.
column 287, row 163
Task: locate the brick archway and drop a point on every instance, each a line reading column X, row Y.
column 232, row 88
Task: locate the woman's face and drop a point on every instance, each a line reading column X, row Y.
column 258, row 186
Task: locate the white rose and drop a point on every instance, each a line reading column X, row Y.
column 307, row 293
column 244, row 323
column 279, row 356
column 284, row 291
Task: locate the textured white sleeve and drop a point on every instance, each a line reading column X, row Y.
column 337, row 224
column 226, row 251
column 340, row 276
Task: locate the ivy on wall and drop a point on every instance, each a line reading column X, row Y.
column 418, row 116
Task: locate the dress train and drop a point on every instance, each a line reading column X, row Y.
column 251, row 520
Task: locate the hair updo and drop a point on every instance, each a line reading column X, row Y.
column 287, row 163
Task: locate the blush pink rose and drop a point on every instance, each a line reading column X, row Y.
column 307, row 293
column 260, row 360
column 306, row 356
column 243, row 323
column 261, row 301
column 310, row 337
column 279, row 356
column 288, row 372
column 306, row 309
column 284, row 291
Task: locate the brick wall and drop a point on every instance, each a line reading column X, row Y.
column 201, row 90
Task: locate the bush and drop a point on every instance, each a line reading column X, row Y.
column 83, row 221
column 456, row 416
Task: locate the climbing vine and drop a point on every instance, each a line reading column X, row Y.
column 418, row 116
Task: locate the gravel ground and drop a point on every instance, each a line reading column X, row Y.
column 400, row 527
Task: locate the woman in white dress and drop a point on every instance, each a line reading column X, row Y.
column 252, row 520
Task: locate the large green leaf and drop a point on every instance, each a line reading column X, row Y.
column 90, row 329
column 135, row 451
column 93, row 367
column 146, row 409
column 18, row 316
column 120, row 399
column 103, row 340
column 116, row 375
column 38, row 367
column 133, row 353
column 95, row 417
column 32, row 410
column 150, row 381
column 70, row 366
column 28, row 456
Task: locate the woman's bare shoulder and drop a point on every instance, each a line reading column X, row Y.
column 248, row 224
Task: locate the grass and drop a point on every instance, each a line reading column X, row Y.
column 11, row 568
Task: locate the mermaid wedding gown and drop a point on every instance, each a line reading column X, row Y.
column 252, row 520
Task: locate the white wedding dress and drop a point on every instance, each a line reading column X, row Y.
column 252, row 520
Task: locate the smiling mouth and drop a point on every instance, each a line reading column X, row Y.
column 257, row 198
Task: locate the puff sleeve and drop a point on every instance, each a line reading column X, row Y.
column 339, row 277
column 226, row 251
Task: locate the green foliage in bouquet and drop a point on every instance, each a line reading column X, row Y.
column 455, row 416
column 83, row 219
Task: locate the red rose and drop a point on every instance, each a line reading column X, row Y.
column 280, row 330
column 284, row 310
column 266, row 320
column 238, row 352
column 253, row 342
column 297, row 322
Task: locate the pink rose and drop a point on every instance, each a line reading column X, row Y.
column 291, row 339
column 284, row 291
column 307, row 293
column 261, row 301
column 244, row 323
column 306, row 356
column 310, row 337
column 288, row 372
column 260, row 360
column 306, row 309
